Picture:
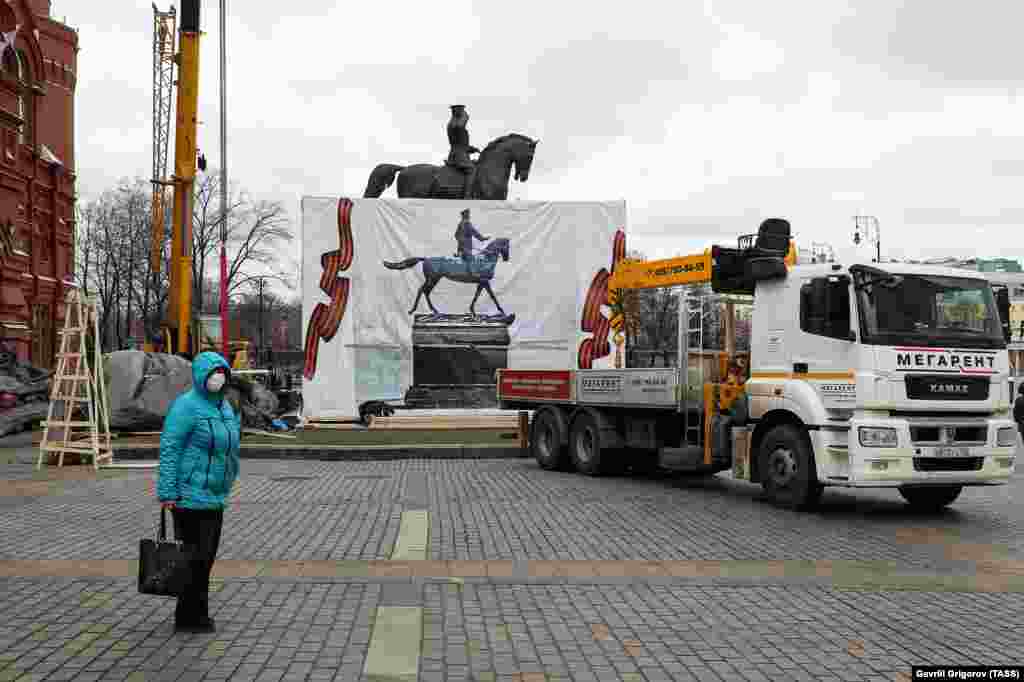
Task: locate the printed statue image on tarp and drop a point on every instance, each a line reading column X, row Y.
column 441, row 294
column 464, row 267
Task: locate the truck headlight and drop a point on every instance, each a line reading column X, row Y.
column 877, row 436
column 1006, row 437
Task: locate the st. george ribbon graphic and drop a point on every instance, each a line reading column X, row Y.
column 593, row 320
column 326, row 319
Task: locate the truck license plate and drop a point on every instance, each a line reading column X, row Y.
column 947, row 451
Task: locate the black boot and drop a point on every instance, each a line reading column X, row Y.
column 204, row 622
column 192, row 618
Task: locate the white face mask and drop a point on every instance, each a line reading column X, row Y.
column 215, row 382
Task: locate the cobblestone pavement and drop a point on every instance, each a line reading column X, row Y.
column 341, row 520
column 608, row 632
column 510, row 509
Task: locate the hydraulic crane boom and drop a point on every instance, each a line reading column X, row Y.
column 632, row 274
column 669, row 272
column 178, row 321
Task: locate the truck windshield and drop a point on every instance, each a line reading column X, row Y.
column 923, row 310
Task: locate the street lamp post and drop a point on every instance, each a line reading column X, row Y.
column 259, row 353
column 223, row 180
column 869, row 225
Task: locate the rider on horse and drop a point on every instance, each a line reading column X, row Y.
column 458, row 139
column 465, row 233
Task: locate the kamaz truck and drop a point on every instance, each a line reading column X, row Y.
column 858, row 375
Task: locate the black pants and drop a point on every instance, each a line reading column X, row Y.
column 199, row 530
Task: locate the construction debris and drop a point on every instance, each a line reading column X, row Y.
column 144, row 385
column 257, row 405
column 24, row 394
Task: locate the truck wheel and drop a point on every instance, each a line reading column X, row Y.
column 931, row 498
column 788, row 473
column 585, row 444
column 547, row 433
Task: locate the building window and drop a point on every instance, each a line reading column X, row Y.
column 10, row 62
column 26, row 102
column 16, row 65
column 42, row 336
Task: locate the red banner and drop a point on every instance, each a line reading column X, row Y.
column 551, row 384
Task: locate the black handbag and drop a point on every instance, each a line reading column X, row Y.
column 163, row 564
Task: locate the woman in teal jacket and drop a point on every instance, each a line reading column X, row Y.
column 198, row 465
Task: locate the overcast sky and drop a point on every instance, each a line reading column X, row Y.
column 704, row 116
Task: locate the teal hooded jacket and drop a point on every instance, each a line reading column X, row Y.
column 199, row 459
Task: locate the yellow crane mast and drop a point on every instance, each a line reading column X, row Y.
column 176, row 326
column 164, row 25
column 179, row 312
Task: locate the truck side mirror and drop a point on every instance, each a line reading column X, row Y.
column 1002, row 295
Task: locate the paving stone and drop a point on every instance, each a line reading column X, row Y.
column 289, row 627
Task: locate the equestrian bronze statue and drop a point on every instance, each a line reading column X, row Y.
column 460, row 177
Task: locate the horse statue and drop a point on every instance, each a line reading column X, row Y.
column 489, row 178
column 479, row 271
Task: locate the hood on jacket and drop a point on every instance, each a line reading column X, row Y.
column 203, row 366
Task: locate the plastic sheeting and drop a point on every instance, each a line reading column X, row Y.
column 556, row 252
column 142, row 387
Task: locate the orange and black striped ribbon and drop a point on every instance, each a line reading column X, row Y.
column 326, row 319
column 593, row 320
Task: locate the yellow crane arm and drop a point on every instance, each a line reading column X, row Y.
column 631, row 274
column 668, row 272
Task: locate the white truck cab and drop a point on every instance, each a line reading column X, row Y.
column 897, row 374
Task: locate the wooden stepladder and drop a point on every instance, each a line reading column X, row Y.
column 78, row 395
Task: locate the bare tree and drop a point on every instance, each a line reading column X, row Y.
column 113, row 247
column 101, row 262
column 132, row 218
column 113, row 263
column 627, row 304
column 659, row 320
column 257, row 232
column 293, row 313
column 652, row 322
column 206, row 222
column 86, row 216
column 247, row 311
column 209, row 296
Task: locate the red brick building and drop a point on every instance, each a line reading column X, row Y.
column 37, row 176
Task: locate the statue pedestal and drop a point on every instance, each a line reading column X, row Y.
column 454, row 360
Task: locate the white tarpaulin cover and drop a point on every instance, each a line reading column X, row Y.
column 356, row 311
